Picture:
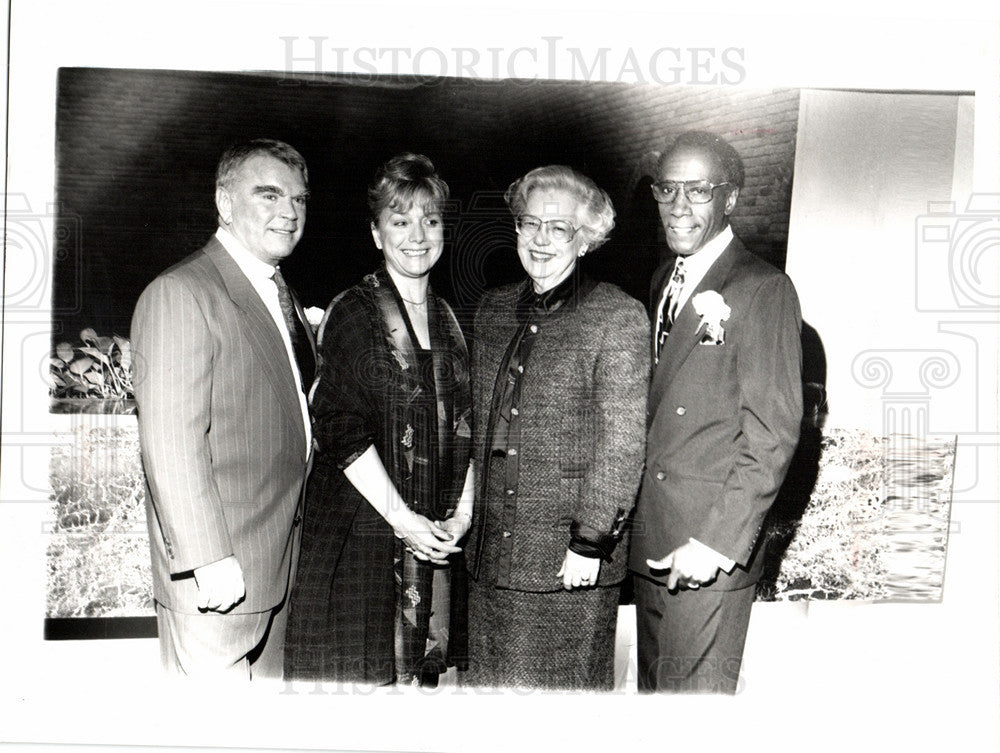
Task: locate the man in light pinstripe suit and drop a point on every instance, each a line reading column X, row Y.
column 224, row 424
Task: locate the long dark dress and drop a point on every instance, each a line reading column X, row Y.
column 356, row 591
column 560, row 386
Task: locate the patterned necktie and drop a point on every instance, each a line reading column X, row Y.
column 668, row 314
column 296, row 331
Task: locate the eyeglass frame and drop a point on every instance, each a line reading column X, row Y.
column 544, row 223
column 682, row 185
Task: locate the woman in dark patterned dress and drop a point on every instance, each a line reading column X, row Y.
column 560, row 372
column 379, row 596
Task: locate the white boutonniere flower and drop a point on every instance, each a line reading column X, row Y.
column 712, row 309
column 314, row 315
column 400, row 359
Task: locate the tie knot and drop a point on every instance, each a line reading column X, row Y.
column 678, row 275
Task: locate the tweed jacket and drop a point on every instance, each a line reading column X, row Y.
column 220, row 428
column 581, row 412
column 723, row 419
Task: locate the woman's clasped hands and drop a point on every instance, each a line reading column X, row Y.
column 430, row 541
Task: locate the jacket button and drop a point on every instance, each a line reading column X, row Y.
column 515, row 412
column 510, row 492
column 681, row 410
column 533, row 328
column 512, row 451
column 660, row 475
column 506, row 534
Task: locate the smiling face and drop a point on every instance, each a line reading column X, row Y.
column 546, row 260
column 411, row 240
column 690, row 226
column 264, row 206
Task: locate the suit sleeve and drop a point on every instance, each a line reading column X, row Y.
column 621, row 380
column 769, row 372
column 173, row 353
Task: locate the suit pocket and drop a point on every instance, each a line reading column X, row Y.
column 690, row 495
column 573, row 470
column 712, row 349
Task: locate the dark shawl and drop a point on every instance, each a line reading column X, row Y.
column 377, row 387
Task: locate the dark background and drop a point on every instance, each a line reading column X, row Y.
column 136, row 153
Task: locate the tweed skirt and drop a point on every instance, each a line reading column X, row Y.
column 562, row 640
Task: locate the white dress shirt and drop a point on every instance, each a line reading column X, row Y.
column 260, row 275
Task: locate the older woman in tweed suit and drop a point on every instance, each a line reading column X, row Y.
column 560, row 370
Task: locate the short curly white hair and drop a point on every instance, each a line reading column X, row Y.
column 598, row 213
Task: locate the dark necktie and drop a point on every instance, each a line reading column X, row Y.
column 296, row 331
column 668, row 314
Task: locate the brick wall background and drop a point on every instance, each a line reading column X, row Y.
column 136, row 154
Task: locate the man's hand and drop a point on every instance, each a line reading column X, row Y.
column 578, row 571
column 691, row 565
column 220, row 585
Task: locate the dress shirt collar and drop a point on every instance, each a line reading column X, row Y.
column 698, row 263
column 256, row 270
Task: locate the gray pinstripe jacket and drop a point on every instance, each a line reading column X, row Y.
column 220, row 427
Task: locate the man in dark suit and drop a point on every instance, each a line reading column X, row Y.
column 223, row 362
column 723, row 418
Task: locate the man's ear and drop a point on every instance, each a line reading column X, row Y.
column 224, row 205
column 731, row 199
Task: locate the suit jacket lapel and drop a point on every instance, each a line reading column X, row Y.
column 301, row 313
column 686, row 332
column 261, row 331
column 659, row 281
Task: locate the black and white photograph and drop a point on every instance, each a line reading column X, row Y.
column 368, row 379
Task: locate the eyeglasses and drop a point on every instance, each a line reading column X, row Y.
column 558, row 230
column 696, row 191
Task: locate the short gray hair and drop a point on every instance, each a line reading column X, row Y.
column 234, row 157
column 599, row 213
